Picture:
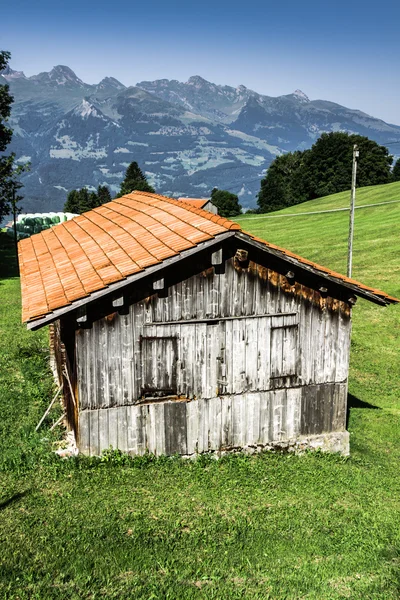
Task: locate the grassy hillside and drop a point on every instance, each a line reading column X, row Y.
column 267, row 527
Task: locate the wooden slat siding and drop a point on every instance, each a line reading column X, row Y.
column 293, row 407
column 123, row 425
column 339, row 407
column 126, row 395
column 214, row 424
column 84, row 432
column 81, row 365
column 104, row 442
column 226, row 421
column 94, row 433
column 211, row 362
column 343, row 344
column 124, row 378
column 113, row 427
column 215, row 437
column 192, row 419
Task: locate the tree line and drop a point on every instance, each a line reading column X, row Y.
column 325, row 169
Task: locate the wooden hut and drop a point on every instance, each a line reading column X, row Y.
column 176, row 332
column 204, row 203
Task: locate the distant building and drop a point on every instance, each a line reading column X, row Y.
column 204, row 203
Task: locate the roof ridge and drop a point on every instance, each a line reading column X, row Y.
column 204, row 213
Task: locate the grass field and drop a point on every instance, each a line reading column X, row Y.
column 266, row 527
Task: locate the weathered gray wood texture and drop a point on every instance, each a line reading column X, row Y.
column 230, row 360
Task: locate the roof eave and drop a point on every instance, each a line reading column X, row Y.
column 353, row 288
column 54, row 315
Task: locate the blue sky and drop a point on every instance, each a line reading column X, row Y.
column 340, row 51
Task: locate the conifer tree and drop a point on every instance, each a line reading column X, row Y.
column 103, row 195
column 134, row 180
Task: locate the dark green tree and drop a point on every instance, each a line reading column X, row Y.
column 396, row 171
column 226, row 203
column 134, row 180
column 283, row 185
column 7, row 171
column 103, row 195
column 329, row 165
column 323, row 170
column 80, row 201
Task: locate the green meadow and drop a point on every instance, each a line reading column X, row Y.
column 266, row 527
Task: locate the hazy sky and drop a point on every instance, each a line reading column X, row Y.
column 347, row 52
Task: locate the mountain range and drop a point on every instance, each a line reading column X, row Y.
column 187, row 137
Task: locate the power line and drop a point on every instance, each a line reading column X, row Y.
column 318, row 212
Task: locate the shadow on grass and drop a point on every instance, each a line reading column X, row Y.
column 8, row 259
column 12, row 499
column 354, row 402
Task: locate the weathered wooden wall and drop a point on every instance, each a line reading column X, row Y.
column 225, row 360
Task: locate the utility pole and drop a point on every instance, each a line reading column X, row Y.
column 356, row 154
column 14, row 209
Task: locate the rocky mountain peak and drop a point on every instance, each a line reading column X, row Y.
column 197, row 81
column 111, row 82
column 62, row 75
column 301, row 96
column 85, row 110
column 9, row 73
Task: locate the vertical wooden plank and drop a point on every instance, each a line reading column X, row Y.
column 91, row 342
column 126, row 346
column 276, row 352
column 203, row 425
column 252, row 424
column 84, row 432
column 159, row 445
column 293, row 399
column 215, row 423
column 265, row 409
column 151, row 428
column 263, row 352
column 187, row 346
column 343, row 344
column 238, row 355
column 94, row 432
column 113, row 427
column 199, row 364
column 238, row 419
column 192, row 416
column 123, row 429
column 213, row 345
column 278, row 410
column 103, row 430
column 227, row 364
column 226, row 422
column 251, row 354
column 137, row 323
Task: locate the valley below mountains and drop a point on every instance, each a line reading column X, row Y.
column 187, row 137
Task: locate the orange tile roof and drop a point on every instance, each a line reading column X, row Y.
column 121, row 238
column 197, row 202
